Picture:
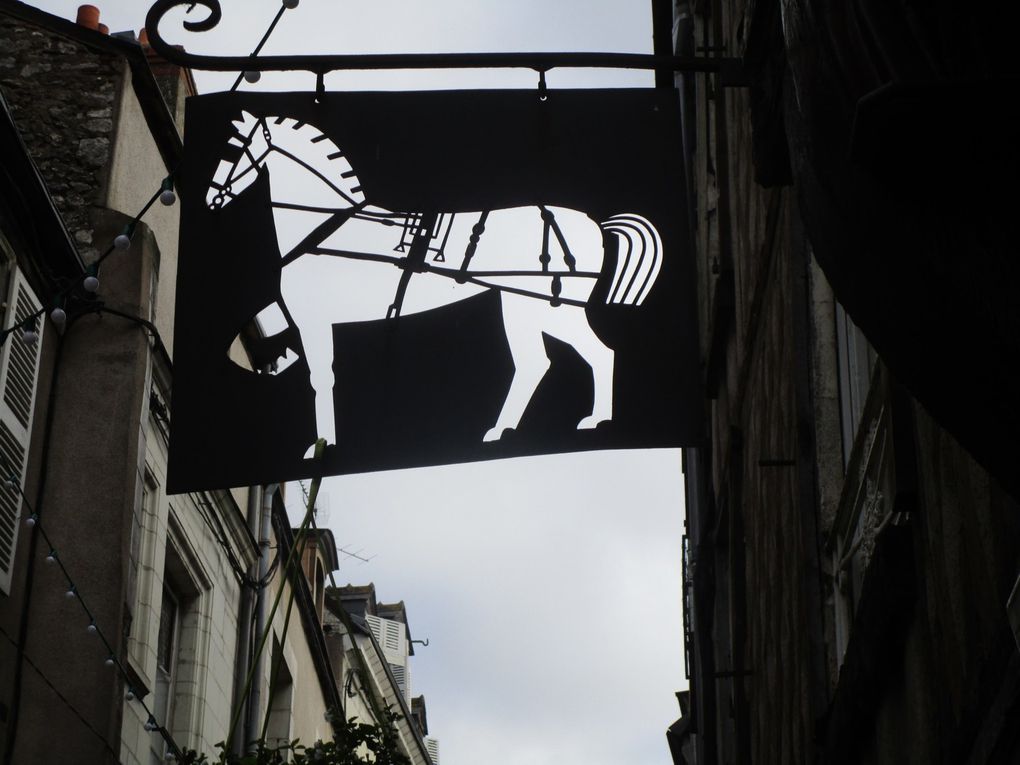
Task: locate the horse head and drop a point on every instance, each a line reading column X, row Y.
column 249, row 144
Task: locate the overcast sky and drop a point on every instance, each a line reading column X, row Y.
column 549, row 588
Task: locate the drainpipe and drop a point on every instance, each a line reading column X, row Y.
column 265, row 554
column 244, row 627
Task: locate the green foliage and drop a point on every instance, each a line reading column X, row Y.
column 354, row 743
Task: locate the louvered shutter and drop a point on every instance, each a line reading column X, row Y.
column 375, row 624
column 390, row 634
column 19, row 372
column 400, row 675
column 432, row 745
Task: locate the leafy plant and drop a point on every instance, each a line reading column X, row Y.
column 354, row 743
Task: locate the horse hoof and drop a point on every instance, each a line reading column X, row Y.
column 591, row 422
column 493, row 434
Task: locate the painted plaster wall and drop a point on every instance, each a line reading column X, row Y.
column 83, row 125
column 136, row 171
column 205, row 683
column 308, row 718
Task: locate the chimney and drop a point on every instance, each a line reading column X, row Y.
column 103, row 29
column 88, row 16
column 143, row 37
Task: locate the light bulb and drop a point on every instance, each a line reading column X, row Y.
column 58, row 316
column 130, row 695
column 70, row 594
column 31, row 520
column 51, row 558
column 90, row 283
column 11, row 483
column 167, row 197
column 91, row 628
column 30, row 336
column 109, row 661
column 122, row 241
column 253, row 76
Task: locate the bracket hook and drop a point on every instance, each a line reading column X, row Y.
column 543, row 89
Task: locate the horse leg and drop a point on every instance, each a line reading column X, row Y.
column 318, row 345
column 527, row 349
column 570, row 324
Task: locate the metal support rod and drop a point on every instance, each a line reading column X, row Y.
column 265, row 556
column 324, row 64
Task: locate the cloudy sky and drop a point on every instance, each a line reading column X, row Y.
column 549, row 588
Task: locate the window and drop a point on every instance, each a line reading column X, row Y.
column 856, row 364
column 180, row 646
column 146, row 507
column 281, row 695
column 19, row 372
column 167, row 658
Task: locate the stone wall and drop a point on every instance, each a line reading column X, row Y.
column 63, row 97
column 931, row 673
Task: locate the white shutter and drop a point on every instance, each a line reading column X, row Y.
column 432, row 745
column 389, row 634
column 375, row 624
column 19, row 372
column 400, row 675
column 392, row 636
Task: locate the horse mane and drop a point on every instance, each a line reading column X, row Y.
column 306, row 144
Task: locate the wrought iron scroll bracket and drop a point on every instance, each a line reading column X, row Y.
column 730, row 69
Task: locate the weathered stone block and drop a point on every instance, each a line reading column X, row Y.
column 94, row 151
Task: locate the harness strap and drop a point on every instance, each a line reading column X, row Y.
column 320, row 233
column 549, row 222
column 415, row 261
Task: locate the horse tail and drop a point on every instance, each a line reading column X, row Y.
column 638, row 260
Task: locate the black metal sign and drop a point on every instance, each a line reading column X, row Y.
column 438, row 277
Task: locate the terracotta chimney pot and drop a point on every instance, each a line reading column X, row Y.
column 103, row 29
column 143, row 37
column 88, row 16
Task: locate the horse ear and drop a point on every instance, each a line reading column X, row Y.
column 246, row 120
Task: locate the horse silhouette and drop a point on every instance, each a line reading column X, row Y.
column 543, row 260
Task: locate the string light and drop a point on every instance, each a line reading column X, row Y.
column 92, row 627
column 122, row 241
column 166, row 194
column 29, row 333
column 91, row 280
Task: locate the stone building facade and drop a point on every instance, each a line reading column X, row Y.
column 118, row 600
column 853, row 549
column 371, row 647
